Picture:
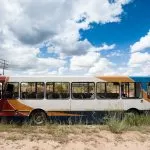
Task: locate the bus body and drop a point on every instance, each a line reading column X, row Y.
column 72, row 96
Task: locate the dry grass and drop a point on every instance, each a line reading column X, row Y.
column 86, row 136
column 130, row 135
column 14, row 137
column 54, row 132
column 57, row 131
column 130, row 122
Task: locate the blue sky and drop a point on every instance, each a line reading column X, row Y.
column 70, row 38
column 134, row 24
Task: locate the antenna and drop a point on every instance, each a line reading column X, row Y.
column 3, row 65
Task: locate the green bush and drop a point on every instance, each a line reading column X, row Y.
column 116, row 126
column 130, row 120
column 137, row 120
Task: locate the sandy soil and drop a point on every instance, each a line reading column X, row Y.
column 81, row 140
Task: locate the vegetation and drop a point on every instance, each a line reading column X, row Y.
column 60, row 130
column 116, row 125
column 130, row 121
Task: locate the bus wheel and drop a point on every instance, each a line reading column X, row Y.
column 133, row 112
column 38, row 117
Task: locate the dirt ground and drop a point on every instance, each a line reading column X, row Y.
column 71, row 138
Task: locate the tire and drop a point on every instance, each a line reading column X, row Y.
column 4, row 120
column 133, row 112
column 38, row 117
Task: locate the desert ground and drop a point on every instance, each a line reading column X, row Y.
column 73, row 137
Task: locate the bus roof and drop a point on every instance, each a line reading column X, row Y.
column 81, row 78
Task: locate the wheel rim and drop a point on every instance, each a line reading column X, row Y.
column 39, row 118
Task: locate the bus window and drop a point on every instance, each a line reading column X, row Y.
column 83, row 90
column 112, row 90
column 57, row 90
column 32, row 90
column 39, row 90
column 131, row 90
column 109, row 90
column 148, row 90
column 12, row 90
column 0, row 90
column 100, row 90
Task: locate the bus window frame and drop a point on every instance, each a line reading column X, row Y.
column 36, row 93
column 83, row 98
column 128, row 98
column 53, row 92
column 106, row 91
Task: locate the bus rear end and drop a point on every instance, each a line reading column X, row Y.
column 2, row 83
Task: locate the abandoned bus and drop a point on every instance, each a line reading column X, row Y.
column 43, row 97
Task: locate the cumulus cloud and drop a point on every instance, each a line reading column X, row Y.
column 99, row 11
column 84, row 61
column 102, row 67
column 116, row 53
column 93, row 64
column 107, row 47
column 139, row 64
column 142, row 44
column 103, row 47
column 26, row 25
column 139, row 59
column 24, row 58
column 76, row 47
column 35, row 22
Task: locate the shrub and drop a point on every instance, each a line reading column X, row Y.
column 116, row 125
column 137, row 120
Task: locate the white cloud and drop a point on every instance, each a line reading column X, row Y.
column 27, row 24
column 99, row 11
column 92, row 63
column 84, row 61
column 102, row 67
column 63, row 70
column 138, row 59
column 24, row 59
column 76, row 47
column 35, row 22
column 103, row 47
column 142, row 44
column 116, row 53
column 67, row 40
column 139, row 64
column 107, row 47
